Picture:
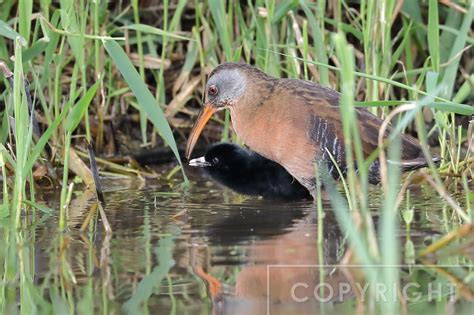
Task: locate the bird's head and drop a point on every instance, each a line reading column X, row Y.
column 222, row 157
column 225, row 87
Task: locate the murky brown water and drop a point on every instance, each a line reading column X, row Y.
column 170, row 247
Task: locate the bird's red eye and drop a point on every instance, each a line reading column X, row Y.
column 213, row 90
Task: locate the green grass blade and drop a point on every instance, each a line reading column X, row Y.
column 176, row 19
column 77, row 112
column 319, row 43
column 461, row 107
column 155, row 31
column 344, row 217
column 69, row 21
column 451, row 71
column 150, row 282
column 41, row 207
column 347, row 28
column 35, row 50
column 143, row 95
column 43, row 140
column 465, row 90
column 4, row 127
column 219, row 16
column 282, row 9
column 25, row 9
column 8, row 32
column 433, row 33
column 389, row 242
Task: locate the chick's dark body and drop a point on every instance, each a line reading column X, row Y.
column 249, row 173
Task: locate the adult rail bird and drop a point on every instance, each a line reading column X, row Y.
column 293, row 122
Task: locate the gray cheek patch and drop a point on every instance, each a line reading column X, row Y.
column 231, row 85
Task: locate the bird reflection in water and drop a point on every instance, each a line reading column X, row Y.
column 278, row 261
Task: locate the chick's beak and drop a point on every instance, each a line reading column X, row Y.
column 199, row 162
column 203, row 118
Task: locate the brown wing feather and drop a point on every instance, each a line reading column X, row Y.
column 369, row 126
column 325, row 127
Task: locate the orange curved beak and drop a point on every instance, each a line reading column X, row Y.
column 206, row 112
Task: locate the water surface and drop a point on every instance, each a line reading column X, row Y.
column 206, row 250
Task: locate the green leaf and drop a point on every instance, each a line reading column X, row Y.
column 35, row 50
column 4, row 211
column 217, row 8
column 50, row 50
column 460, row 109
column 454, row 56
column 144, row 97
column 43, row 140
column 8, row 32
column 155, row 31
column 431, row 81
column 69, row 22
column 347, row 28
column 77, row 112
column 150, row 282
column 433, row 33
column 7, row 156
column 25, row 9
column 465, row 90
column 282, row 9
column 413, row 10
column 317, row 25
column 455, row 107
column 452, row 20
column 455, row 32
column 40, row 207
column 5, row 126
column 403, row 45
column 177, row 14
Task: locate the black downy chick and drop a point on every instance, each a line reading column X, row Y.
column 249, row 173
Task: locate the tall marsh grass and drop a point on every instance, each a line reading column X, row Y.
column 94, row 67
